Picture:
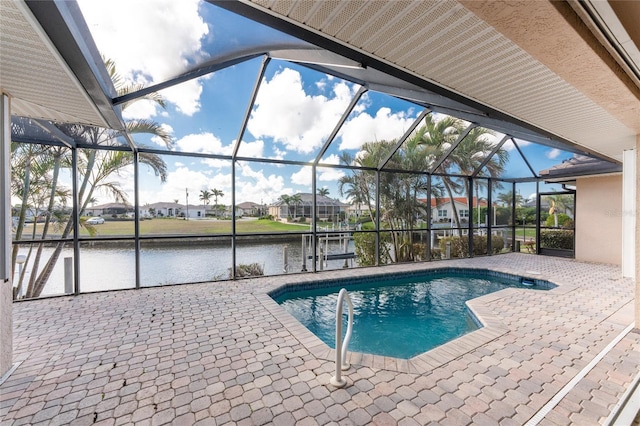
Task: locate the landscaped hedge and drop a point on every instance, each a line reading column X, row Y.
column 365, row 248
column 556, row 238
column 460, row 245
column 563, row 221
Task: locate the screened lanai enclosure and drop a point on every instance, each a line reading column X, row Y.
column 250, row 150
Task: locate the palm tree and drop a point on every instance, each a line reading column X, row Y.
column 361, row 185
column 94, row 168
column 353, row 198
column 400, row 193
column 286, row 200
column 506, row 199
column 205, row 197
column 295, row 200
column 216, row 193
column 400, row 204
column 439, row 135
column 323, row 192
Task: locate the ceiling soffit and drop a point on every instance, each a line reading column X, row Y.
column 38, row 79
column 443, row 42
column 554, row 35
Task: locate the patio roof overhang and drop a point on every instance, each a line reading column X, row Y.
column 50, row 67
column 563, row 70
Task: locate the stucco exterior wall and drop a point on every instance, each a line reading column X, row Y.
column 6, row 335
column 599, row 219
column 6, row 299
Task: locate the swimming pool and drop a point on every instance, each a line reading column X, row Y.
column 399, row 316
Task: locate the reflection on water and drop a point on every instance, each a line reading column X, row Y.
column 108, row 266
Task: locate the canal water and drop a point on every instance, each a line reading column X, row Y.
column 109, row 266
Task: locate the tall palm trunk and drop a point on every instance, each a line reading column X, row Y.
column 45, row 228
column 23, row 212
column 45, row 274
column 19, row 230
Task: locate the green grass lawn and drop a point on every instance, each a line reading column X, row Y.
column 180, row 227
column 528, row 233
column 173, row 226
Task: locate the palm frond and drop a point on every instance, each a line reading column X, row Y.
column 149, row 127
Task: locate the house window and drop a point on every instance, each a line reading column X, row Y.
column 464, row 213
column 442, row 213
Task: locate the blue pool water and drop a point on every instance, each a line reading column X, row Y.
column 401, row 316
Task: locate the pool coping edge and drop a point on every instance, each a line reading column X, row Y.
column 492, row 326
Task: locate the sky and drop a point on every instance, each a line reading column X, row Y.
column 295, row 109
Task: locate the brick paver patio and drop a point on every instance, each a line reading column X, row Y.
column 224, row 353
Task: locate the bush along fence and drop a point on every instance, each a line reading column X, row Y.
column 557, row 239
column 460, row 245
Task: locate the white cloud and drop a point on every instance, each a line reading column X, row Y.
column 365, row 128
column 325, row 174
column 509, row 146
column 186, row 96
column 553, row 153
column 216, row 163
column 203, row 143
column 302, row 177
column 254, row 186
column 142, row 110
column 286, row 113
column 134, row 34
column 330, row 175
column 251, row 149
column 185, row 179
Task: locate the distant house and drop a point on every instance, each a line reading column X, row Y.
column 109, row 209
column 358, row 210
column 442, row 208
column 226, row 211
column 168, row 209
column 252, row 209
column 327, row 209
column 163, row 209
column 532, row 202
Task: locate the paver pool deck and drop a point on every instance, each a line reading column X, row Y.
column 224, row 353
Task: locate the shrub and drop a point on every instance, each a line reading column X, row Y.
column 503, row 215
column 556, row 238
column 419, row 251
column 247, row 270
column 368, row 226
column 460, row 245
column 365, row 248
column 562, row 221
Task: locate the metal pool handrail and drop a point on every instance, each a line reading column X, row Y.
column 341, row 347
